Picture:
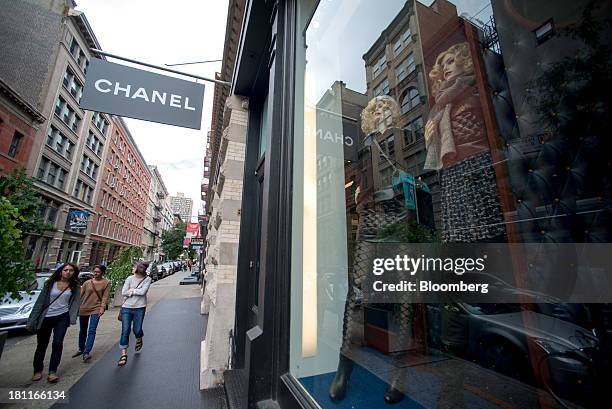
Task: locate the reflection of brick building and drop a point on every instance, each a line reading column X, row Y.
column 122, row 201
column 394, row 66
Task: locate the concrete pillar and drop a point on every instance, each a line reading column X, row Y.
column 219, row 296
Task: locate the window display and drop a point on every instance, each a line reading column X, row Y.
column 460, row 135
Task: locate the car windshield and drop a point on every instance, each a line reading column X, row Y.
column 492, row 308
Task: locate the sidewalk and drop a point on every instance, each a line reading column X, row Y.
column 165, row 374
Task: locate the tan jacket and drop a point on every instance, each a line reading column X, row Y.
column 90, row 301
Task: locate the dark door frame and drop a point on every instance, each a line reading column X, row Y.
column 266, row 66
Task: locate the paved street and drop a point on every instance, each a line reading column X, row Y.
column 164, row 374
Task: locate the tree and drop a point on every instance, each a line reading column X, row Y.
column 172, row 240
column 19, row 189
column 15, row 270
column 19, row 214
column 121, row 266
column 191, row 252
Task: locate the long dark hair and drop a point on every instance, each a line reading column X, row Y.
column 57, row 276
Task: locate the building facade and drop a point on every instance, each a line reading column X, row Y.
column 182, row 206
column 65, row 153
column 123, row 196
column 158, row 217
column 306, row 333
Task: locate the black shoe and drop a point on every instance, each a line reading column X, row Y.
column 337, row 390
column 86, row 357
column 393, row 395
column 79, row 352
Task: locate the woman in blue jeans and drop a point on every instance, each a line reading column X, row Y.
column 94, row 297
column 133, row 309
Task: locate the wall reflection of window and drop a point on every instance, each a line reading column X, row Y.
column 413, row 131
column 411, row 99
column 402, row 42
column 382, row 88
column 385, row 176
column 380, row 66
column 406, row 67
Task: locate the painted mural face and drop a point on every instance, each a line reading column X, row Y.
column 450, row 67
column 455, row 129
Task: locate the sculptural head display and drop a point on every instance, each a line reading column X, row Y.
column 380, row 114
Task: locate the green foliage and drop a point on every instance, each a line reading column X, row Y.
column 121, row 266
column 172, row 240
column 19, row 214
column 19, row 190
column 407, row 232
column 16, row 272
column 191, row 252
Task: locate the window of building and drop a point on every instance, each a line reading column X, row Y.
column 59, row 142
column 67, row 114
column 94, row 143
column 382, row 88
column 100, row 122
column 410, row 100
column 51, row 173
column 89, row 166
column 15, row 143
column 402, row 41
column 413, row 131
column 387, row 146
column 83, row 191
column 73, row 85
column 405, row 68
column 380, row 66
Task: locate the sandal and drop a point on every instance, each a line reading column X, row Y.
column 52, row 378
column 37, row 376
column 138, row 345
column 122, row 360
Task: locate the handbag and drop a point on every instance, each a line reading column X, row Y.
column 119, row 315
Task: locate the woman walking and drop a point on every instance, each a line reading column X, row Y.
column 94, row 297
column 56, row 308
column 133, row 309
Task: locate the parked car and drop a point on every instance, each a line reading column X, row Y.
column 154, row 272
column 169, row 267
column 14, row 313
column 518, row 341
column 84, row 276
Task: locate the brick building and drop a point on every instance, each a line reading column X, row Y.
column 122, row 198
column 394, row 67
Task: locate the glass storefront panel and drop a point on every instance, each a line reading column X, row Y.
column 451, row 203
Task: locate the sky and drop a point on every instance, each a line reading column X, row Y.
column 166, row 32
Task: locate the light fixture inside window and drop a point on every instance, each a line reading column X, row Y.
column 544, row 32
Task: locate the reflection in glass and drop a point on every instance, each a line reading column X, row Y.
column 416, row 125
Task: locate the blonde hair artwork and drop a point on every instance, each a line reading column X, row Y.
column 463, row 59
column 375, row 116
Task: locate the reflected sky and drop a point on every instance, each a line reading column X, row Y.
column 340, row 32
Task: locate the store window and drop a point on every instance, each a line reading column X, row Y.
column 499, row 159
